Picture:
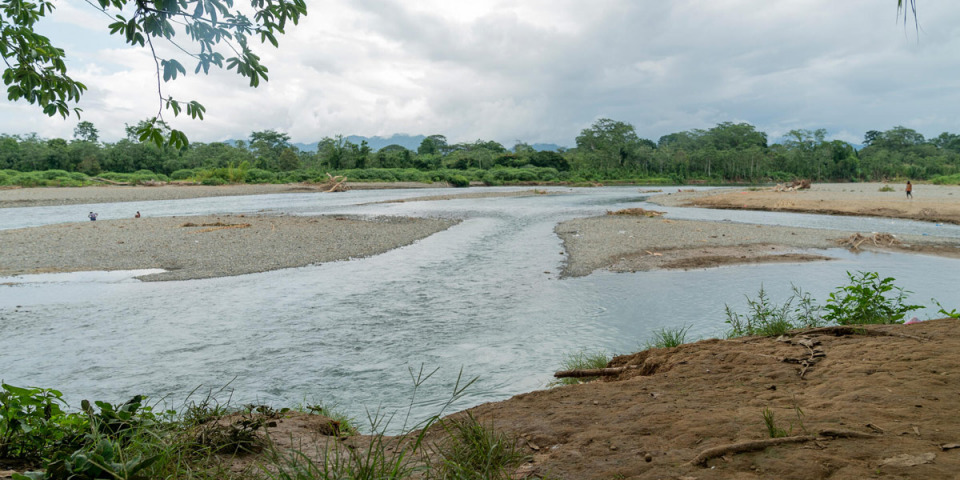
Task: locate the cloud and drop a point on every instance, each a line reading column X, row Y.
column 540, row 71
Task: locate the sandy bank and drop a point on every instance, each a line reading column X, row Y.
column 47, row 196
column 624, row 243
column 207, row 246
column 932, row 203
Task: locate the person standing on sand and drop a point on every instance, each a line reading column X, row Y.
column 909, row 189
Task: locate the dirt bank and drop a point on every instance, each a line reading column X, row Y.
column 931, row 203
column 876, row 402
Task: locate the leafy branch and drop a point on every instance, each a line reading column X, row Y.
column 36, row 70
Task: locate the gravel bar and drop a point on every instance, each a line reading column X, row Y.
column 206, row 246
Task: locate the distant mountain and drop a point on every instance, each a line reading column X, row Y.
column 410, row 142
column 546, row 147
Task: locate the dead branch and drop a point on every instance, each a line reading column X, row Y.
column 710, row 453
column 111, row 182
column 879, row 240
column 593, row 372
column 335, row 184
column 842, row 433
column 636, row 211
column 840, row 330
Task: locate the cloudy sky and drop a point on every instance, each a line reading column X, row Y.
column 540, row 71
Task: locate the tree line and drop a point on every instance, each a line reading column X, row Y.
column 607, row 150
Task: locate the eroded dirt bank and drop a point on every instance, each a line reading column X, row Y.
column 873, row 402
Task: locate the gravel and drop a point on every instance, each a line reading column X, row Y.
column 206, row 246
column 600, row 242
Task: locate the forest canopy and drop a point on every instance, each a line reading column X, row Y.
column 607, row 150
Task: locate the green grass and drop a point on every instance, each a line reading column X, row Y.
column 475, row 451
column 668, row 337
column 582, row 360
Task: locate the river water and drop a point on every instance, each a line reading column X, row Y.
column 483, row 297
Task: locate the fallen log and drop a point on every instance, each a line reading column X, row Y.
column 593, row 372
column 711, row 453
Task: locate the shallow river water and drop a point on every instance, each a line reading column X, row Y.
column 484, row 296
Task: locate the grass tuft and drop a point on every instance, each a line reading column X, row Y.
column 581, row 360
column 475, row 451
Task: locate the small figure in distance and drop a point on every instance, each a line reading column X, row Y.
column 92, row 217
column 137, row 215
column 909, row 189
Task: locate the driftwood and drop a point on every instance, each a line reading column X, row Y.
column 879, row 240
column 593, row 372
column 711, row 453
column 636, row 211
column 111, row 182
column 335, row 184
column 793, row 186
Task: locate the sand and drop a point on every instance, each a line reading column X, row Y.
column 932, row 203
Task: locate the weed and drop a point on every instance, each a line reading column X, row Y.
column 383, row 459
column 887, row 188
column 668, row 337
column 340, row 424
column 865, row 301
column 953, row 313
column 31, row 420
column 777, row 432
column 581, row 361
column 475, row 451
column 764, row 318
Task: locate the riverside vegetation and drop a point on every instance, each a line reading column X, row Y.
column 608, row 151
column 136, row 440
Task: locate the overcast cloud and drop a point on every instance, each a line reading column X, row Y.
column 541, row 71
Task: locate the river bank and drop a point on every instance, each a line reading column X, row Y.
column 47, row 196
column 930, row 203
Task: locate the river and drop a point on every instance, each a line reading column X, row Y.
column 483, row 298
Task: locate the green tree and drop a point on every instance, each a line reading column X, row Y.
column 609, row 143
column 433, row 145
column 288, row 160
column 267, row 146
column 86, row 132
column 36, row 70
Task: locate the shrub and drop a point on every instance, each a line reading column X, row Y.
column 868, row 299
column 29, row 421
column 259, row 175
column 213, row 181
column 768, row 319
column 181, row 174
column 459, row 181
